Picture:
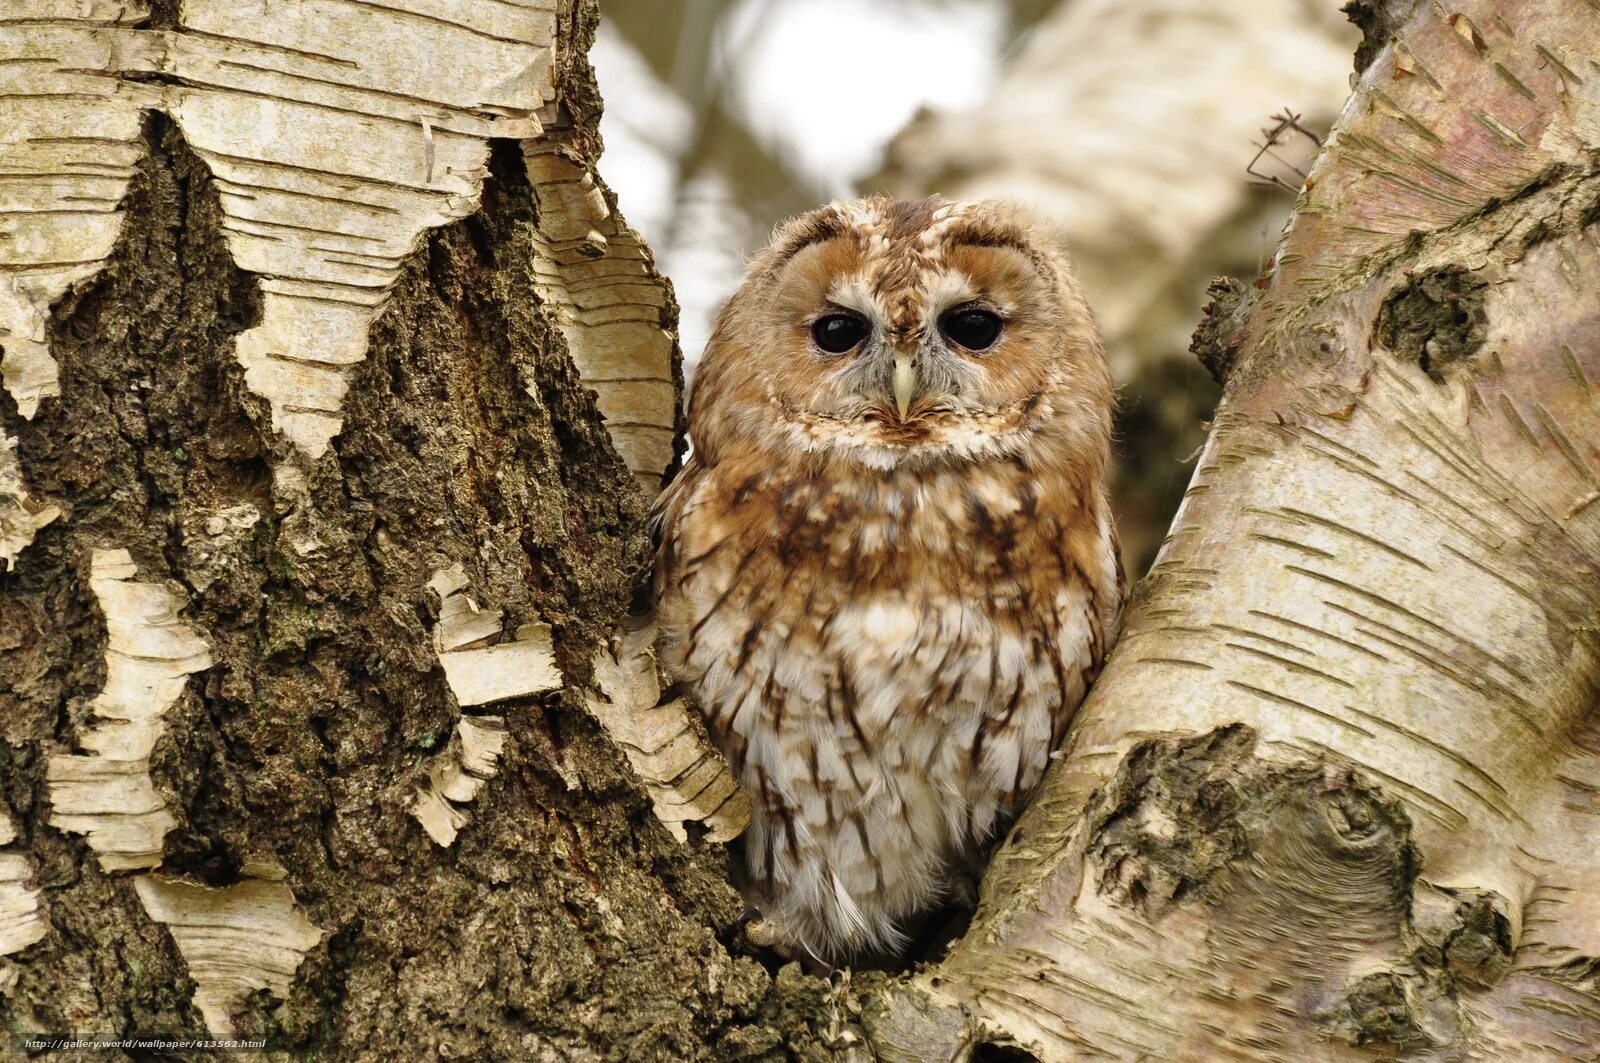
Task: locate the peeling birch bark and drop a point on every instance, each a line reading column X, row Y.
column 478, row 670
column 21, row 515
column 107, row 793
column 21, row 922
column 456, row 775
column 479, row 673
column 597, row 282
column 1337, row 793
column 685, row 776
column 339, row 134
column 553, row 931
column 236, row 940
column 70, row 135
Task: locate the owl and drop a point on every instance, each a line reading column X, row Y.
column 888, row 571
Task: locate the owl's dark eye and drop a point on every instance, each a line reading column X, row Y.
column 971, row 327
column 837, row 333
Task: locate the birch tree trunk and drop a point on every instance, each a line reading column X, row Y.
column 331, row 379
column 1337, row 793
column 315, row 319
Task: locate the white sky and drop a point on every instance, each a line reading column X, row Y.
column 824, row 83
column 829, row 82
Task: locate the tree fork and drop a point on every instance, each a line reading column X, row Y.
column 1335, row 796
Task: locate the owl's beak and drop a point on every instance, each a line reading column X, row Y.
column 905, row 383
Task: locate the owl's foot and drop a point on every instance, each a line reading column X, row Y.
column 963, row 891
column 761, row 932
column 764, row 933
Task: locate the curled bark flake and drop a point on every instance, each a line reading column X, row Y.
column 598, row 284
column 21, row 922
column 457, row 775
column 479, row 668
column 21, row 515
column 236, row 940
column 478, row 672
column 688, row 781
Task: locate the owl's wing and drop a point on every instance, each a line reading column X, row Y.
column 1117, row 595
column 667, row 511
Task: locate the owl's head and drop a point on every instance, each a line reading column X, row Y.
column 888, row 334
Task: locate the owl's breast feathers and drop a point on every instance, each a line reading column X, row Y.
column 887, row 659
column 783, row 550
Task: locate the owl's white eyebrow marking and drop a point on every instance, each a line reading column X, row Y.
column 939, row 224
column 863, row 213
column 946, row 288
column 852, row 290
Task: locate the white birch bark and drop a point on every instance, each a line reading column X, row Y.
column 336, row 135
column 1337, row 794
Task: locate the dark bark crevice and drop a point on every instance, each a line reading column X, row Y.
column 1378, row 21
column 149, row 428
column 1435, row 319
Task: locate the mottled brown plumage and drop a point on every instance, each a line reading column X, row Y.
column 888, row 574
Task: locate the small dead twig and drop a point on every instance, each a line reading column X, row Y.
column 1275, row 135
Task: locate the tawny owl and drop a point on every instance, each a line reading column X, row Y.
column 888, row 571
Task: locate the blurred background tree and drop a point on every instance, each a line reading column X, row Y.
column 1134, row 124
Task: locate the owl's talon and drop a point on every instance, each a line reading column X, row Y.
column 752, row 914
column 760, row 932
column 963, row 892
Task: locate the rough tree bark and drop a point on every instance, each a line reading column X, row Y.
column 315, row 540
column 318, row 724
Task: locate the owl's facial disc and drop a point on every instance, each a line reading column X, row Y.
column 906, row 371
column 908, row 395
column 910, row 358
column 892, row 334
column 892, row 355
